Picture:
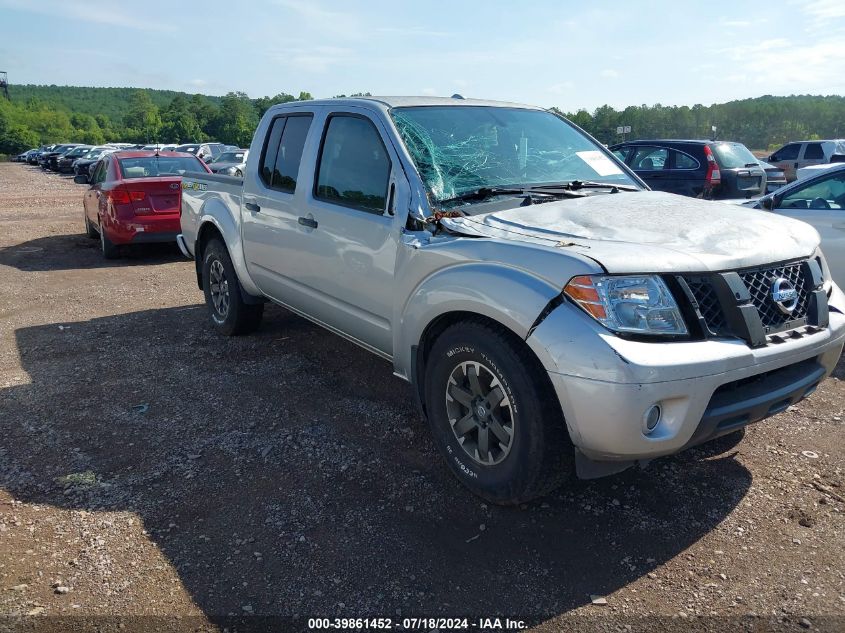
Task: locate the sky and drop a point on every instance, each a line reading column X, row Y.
column 549, row 53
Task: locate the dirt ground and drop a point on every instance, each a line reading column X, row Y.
column 158, row 476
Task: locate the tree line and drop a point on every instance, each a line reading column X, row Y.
column 49, row 114
column 760, row 123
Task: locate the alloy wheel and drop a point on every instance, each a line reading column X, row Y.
column 219, row 288
column 479, row 413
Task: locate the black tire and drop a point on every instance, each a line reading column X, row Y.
column 90, row 231
column 107, row 248
column 539, row 456
column 232, row 316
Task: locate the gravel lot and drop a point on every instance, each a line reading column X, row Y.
column 149, row 467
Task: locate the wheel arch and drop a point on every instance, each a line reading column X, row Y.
column 208, row 231
column 508, row 296
column 441, row 323
column 211, row 228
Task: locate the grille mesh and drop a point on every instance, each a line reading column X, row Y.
column 708, row 304
column 759, row 283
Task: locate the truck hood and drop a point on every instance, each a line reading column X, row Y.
column 650, row 231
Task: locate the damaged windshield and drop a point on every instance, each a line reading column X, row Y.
column 461, row 149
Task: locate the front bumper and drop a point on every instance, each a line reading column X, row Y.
column 705, row 389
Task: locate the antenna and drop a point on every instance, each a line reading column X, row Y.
column 4, row 84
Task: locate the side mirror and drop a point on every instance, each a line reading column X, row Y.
column 80, row 179
column 768, row 203
column 772, row 159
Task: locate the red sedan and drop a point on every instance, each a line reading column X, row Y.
column 135, row 198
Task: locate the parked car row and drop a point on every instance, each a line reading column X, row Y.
column 77, row 158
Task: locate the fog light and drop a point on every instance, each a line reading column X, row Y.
column 650, row 418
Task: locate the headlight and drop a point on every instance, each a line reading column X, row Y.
column 640, row 304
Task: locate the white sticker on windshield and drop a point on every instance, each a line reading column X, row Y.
column 600, row 163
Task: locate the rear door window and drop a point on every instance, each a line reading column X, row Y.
column 813, row 151
column 283, row 151
column 271, row 149
column 684, row 161
column 650, row 158
column 622, row 153
column 289, row 153
column 354, row 168
column 100, row 173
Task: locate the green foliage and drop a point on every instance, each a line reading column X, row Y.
column 759, row 123
column 51, row 114
column 55, row 114
column 236, row 121
column 179, row 122
column 143, row 121
column 265, row 103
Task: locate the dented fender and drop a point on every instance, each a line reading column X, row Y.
column 504, row 294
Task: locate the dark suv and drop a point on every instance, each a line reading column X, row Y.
column 702, row 169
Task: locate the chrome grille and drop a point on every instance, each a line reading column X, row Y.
column 759, row 284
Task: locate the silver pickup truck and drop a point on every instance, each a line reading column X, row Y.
column 548, row 308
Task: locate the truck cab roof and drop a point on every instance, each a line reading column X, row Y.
column 405, row 101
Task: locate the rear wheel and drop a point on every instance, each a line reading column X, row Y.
column 90, row 231
column 494, row 414
column 230, row 314
column 107, row 248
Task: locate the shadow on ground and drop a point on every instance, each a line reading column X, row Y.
column 299, row 446
column 77, row 251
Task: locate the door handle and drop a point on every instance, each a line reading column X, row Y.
column 309, row 222
column 251, row 206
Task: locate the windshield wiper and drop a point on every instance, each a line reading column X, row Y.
column 483, row 193
column 575, row 185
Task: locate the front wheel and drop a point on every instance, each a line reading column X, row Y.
column 230, row 314
column 494, row 414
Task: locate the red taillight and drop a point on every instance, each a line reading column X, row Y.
column 124, row 196
column 119, row 196
column 714, row 176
